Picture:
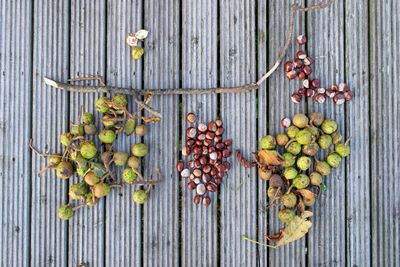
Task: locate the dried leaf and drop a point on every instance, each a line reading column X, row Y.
column 295, row 229
column 151, row 119
column 99, row 169
column 141, row 34
column 270, row 157
column 137, row 52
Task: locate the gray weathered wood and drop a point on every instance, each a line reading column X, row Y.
column 15, row 127
column 161, row 70
column 199, row 69
column 238, row 112
column 279, row 106
column 358, row 208
column 49, row 119
column 123, row 217
column 385, row 132
column 86, row 229
column 325, row 30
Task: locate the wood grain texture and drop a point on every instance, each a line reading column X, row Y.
column 325, row 30
column 199, row 69
column 49, row 119
column 123, row 218
column 279, row 106
column 161, row 70
column 88, row 38
column 238, row 112
column 385, row 131
column 15, row 129
column 358, row 208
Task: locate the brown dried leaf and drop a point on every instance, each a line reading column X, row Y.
column 151, row 119
column 295, row 229
column 307, row 193
column 270, row 157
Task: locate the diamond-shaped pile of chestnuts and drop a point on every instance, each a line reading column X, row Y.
column 209, row 164
column 301, row 67
column 96, row 164
column 296, row 176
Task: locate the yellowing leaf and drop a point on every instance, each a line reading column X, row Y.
column 137, row 52
column 295, row 229
column 270, row 157
column 151, row 119
column 307, row 193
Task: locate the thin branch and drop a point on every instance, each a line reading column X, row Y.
column 194, row 91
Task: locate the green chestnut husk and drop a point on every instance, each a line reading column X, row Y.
column 78, row 191
column 87, row 118
column 329, row 126
column 77, row 129
column 120, row 158
column 91, row 178
column 134, row 162
column 336, row 138
column 64, row 170
column 81, row 171
column 304, row 163
column 139, row 196
column 325, row 141
column 66, row 138
column 268, row 142
column 130, row 125
column 88, row 150
column 107, row 136
column 292, row 131
column 288, row 159
column 343, row 150
column 301, row 181
column 323, row 168
column 311, row 149
column 300, row 120
column 120, row 100
column 90, row 129
column 107, row 121
column 90, row 200
column 316, row 178
column 282, row 139
column 294, row 148
column 65, row 212
column 101, row 190
column 304, row 137
column 334, row 159
column 289, row 200
column 128, row 175
column 139, row 150
column 316, row 118
column 102, row 104
column 141, row 130
column 55, row 159
column 286, row 215
column 313, row 130
column 274, row 193
column 290, row 173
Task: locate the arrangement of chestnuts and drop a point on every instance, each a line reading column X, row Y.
column 209, row 151
column 94, row 164
column 296, row 176
column 301, row 68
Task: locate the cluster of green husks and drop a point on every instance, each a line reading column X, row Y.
column 297, row 175
column 96, row 163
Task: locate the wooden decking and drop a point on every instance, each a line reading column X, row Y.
column 198, row 44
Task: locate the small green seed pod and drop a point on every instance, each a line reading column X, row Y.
column 139, row 150
column 91, row 178
column 65, row 212
column 90, row 129
column 304, row 163
column 301, row 181
column 120, row 158
column 66, row 138
column 134, row 162
column 334, row 159
column 101, row 190
column 107, row 136
column 120, row 100
column 102, row 104
column 294, row 148
column 88, row 150
column 128, row 175
column 286, row 215
column 289, row 200
column 329, row 126
column 292, row 131
column 55, row 159
column 323, row 168
column 78, row 191
column 108, row 121
column 282, row 139
column 268, row 142
column 304, row 137
column 87, row 118
column 343, row 150
column 315, row 178
column 311, row 149
column 64, row 170
column 288, row 159
column 300, row 120
column 140, row 197
column 141, row 130
column 325, row 141
column 290, row 173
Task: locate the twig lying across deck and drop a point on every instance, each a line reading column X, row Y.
column 194, row 91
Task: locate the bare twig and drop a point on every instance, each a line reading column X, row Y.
column 194, row 91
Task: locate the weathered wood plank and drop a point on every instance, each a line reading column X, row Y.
column 326, row 43
column 86, row 229
column 123, row 217
column 161, row 70
column 279, row 106
column 385, row 131
column 358, row 209
column 49, row 120
column 15, row 129
column 238, row 112
column 199, row 69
